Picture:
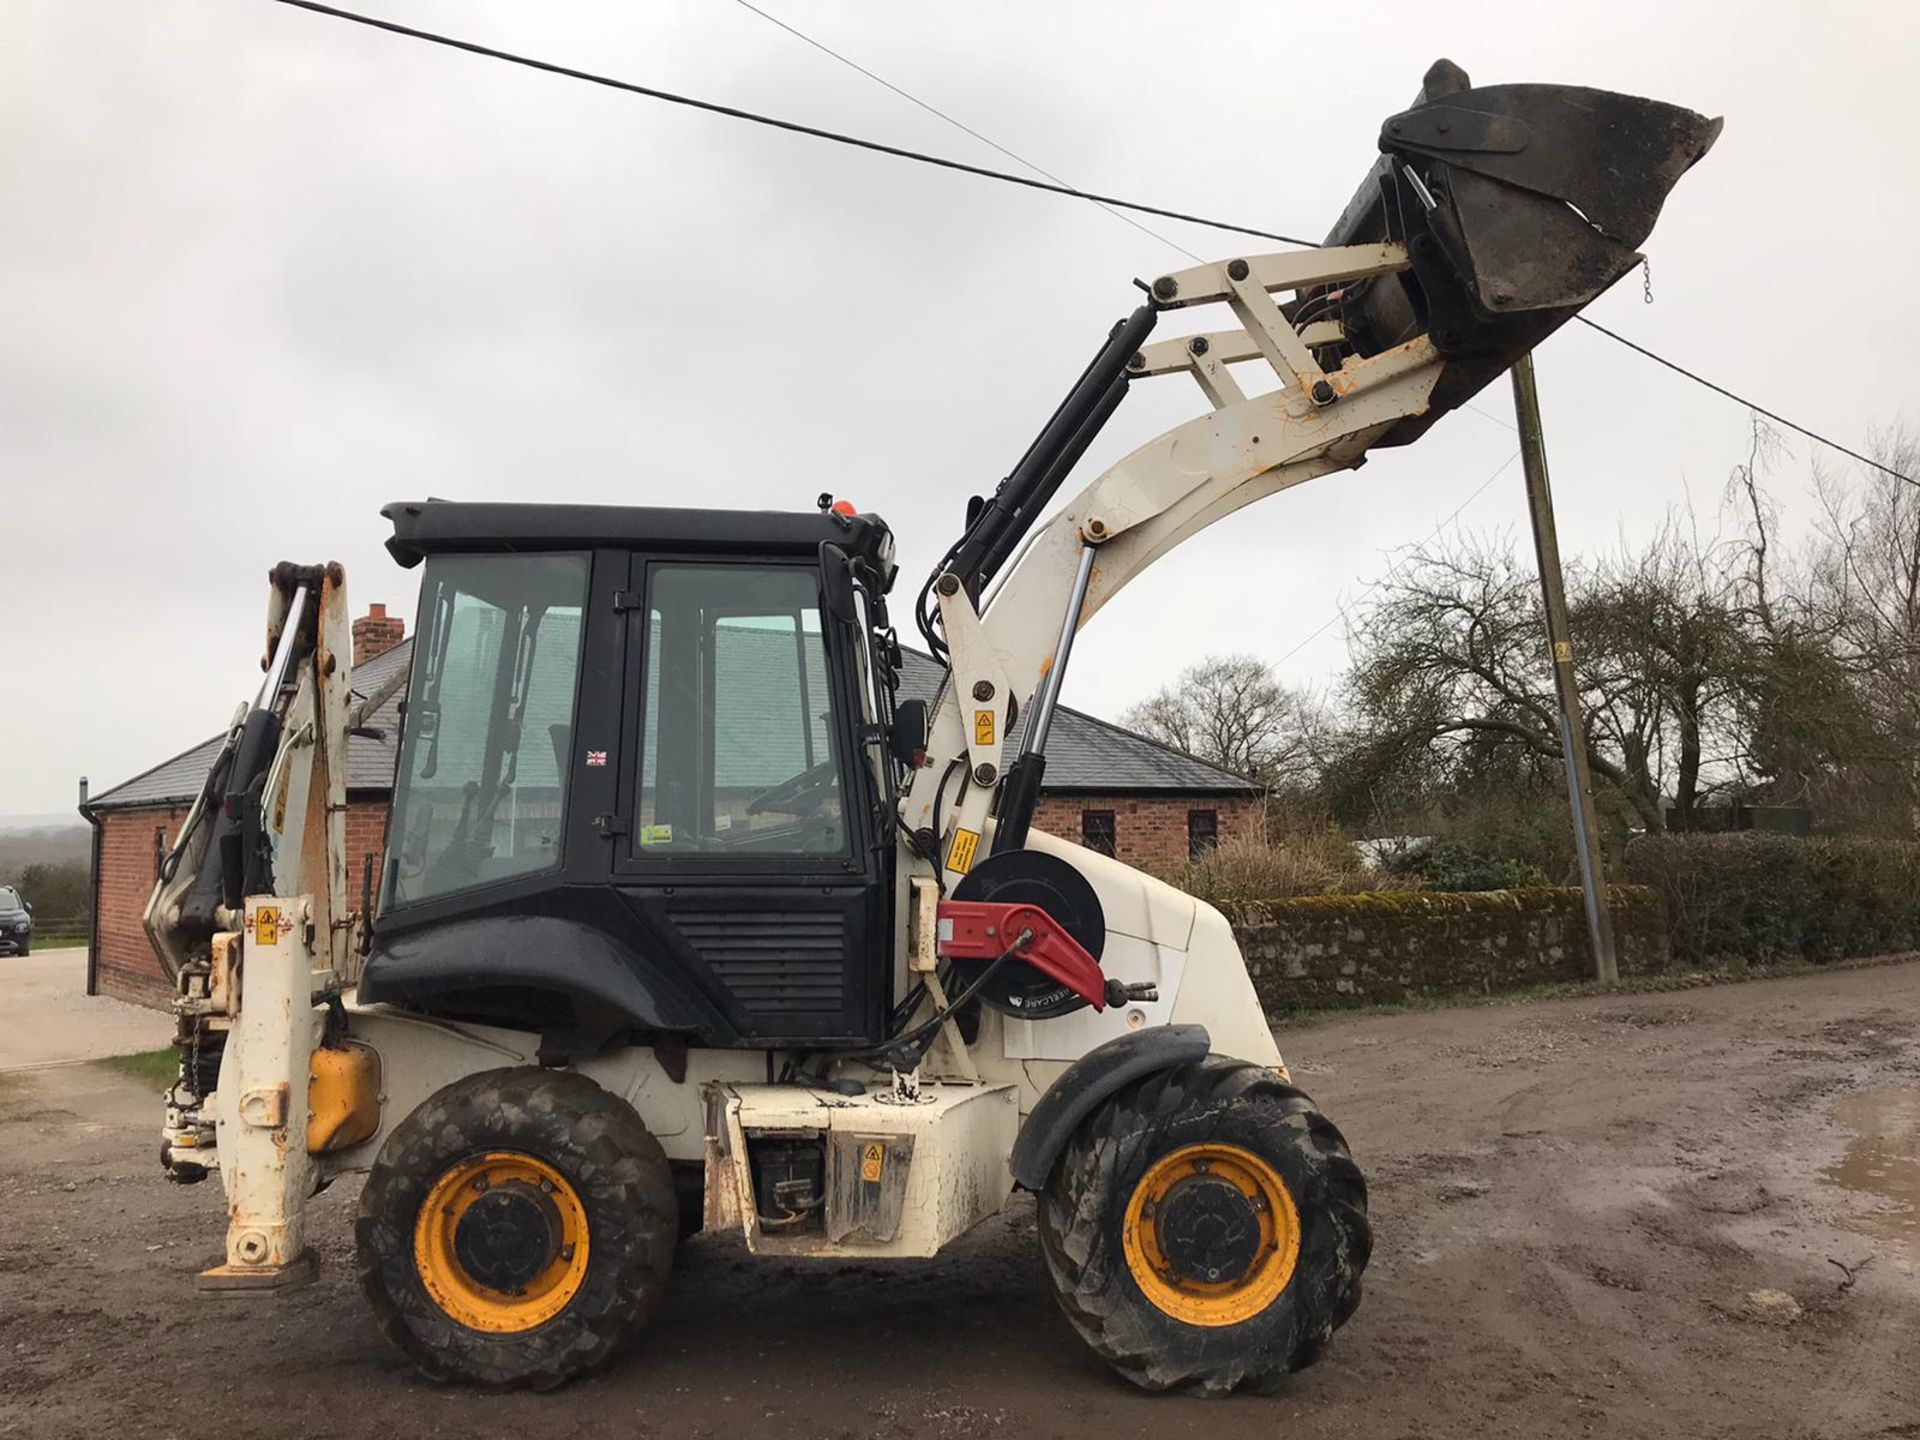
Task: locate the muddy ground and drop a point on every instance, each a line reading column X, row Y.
column 1573, row 1200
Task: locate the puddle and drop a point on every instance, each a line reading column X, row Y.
column 1883, row 1160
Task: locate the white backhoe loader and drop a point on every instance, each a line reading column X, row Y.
column 686, row 920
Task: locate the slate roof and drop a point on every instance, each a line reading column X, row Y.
column 1084, row 754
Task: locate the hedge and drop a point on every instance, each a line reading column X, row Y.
column 1753, row 898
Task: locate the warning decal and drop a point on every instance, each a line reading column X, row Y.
column 983, row 727
column 960, row 853
column 873, row 1160
column 266, row 926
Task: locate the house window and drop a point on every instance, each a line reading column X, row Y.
column 159, row 849
column 1096, row 831
column 1203, row 832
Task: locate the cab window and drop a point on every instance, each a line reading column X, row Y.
column 481, row 792
column 738, row 740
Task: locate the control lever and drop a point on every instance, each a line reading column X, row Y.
column 1119, row 992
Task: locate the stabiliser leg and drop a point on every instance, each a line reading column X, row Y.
column 262, row 1105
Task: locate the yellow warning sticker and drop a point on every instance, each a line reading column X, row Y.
column 266, row 926
column 656, row 834
column 983, row 727
column 960, row 853
column 1563, row 652
column 873, row 1160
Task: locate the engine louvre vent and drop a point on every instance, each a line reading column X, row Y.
column 776, row 962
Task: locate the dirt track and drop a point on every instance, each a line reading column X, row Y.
column 1572, row 1201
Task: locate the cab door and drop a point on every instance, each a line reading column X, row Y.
column 749, row 848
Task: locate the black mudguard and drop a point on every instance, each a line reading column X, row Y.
column 440, row 966
column 1084, row 1085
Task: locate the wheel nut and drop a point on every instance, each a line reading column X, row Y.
column 546, row 1187
column 481, row 1183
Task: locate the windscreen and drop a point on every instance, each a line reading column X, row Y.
column 482, row 786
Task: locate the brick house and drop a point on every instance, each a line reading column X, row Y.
column 1108, row 788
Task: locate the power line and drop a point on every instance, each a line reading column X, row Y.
column 1393, row 570
column 1773, row 415
column 961, row 125
column 1049, row 186
column 548, row 67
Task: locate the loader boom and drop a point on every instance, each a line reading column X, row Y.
column 1492, row 217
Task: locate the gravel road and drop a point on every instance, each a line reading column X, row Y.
column 1618, row 1215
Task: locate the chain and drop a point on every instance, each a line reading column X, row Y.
column 1646, row 279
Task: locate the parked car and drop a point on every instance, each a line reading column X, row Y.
column 16, row 922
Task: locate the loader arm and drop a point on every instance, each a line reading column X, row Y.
column 1492, row 218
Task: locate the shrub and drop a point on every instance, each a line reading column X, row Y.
column 1256, row 867
column 1758, row 898
column 1449, row 865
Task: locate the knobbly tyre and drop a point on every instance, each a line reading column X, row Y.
column 686, row 920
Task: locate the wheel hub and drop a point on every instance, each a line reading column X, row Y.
column 1211, row 1234
column 508, row 1237
column 1209, row 1230
column 501, row 1242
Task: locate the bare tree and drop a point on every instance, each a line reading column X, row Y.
column 1865, row 593
column 1231, row 711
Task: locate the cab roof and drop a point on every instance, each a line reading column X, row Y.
column 433, row 527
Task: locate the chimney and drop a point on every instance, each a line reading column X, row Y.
column 375, row 633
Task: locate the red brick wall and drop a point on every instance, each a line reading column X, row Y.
column 125, row 965
column 124, row 962
column 1148, row 830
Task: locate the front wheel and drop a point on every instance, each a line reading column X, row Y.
column 516, row 1229
column 1206, row 1229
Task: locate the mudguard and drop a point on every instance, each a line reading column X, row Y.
column 1090, row 1080
column 441, row 965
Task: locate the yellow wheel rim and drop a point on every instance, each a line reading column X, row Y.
column 1211, row 1234
column 501, row 1242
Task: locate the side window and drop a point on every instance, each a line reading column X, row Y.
column 1203, row 832
column 1097, row 831
column 481, row 793
column 738, row 738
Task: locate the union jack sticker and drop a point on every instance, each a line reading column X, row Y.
column 596, row 757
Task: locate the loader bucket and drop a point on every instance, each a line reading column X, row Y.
column 1518, row 205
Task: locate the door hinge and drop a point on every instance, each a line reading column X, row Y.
column 610, row 825
column 625, row 600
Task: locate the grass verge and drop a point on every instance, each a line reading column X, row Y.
column 59, row 942
column 158, row 1068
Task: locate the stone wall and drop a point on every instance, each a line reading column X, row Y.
column 1323, row 951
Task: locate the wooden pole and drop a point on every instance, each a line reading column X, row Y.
column 1573, row 731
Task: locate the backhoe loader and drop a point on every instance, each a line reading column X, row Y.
column 687, row 921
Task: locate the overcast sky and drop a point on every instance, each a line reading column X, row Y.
column 262, row 272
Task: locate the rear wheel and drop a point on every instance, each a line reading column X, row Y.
column 1206, row 1229
column 516, row 1229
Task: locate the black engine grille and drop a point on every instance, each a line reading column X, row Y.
column 775, row 962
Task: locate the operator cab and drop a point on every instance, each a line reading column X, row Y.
column 642, row 787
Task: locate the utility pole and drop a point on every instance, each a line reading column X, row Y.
column 1573, row 730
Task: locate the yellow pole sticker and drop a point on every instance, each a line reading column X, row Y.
column 960, row 853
